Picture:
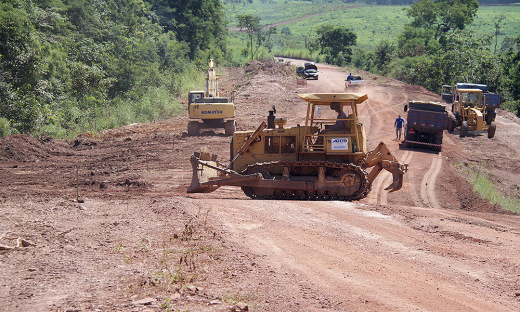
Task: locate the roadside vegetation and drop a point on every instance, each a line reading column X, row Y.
column 484, row 185
column 75, row 66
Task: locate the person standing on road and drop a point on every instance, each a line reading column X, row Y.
column 399, row 124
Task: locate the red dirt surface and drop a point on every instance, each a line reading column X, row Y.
column 103, row 222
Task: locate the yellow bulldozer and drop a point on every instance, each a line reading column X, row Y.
column 207, row 109
column 325, row 159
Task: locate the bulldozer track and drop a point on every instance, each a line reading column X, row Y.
column 289, row 194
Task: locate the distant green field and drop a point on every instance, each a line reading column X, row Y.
column 510, row 26
column 276, row 12
column 370, row 23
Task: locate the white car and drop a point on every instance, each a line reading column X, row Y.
column 354, row 82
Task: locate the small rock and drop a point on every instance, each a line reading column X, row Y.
column 175, row 297
column 23, row 243
column 241, row 306
column 517, row 294
column 144, row 301
column 214, row 302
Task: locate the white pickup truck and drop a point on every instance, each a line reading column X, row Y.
column 354, row 82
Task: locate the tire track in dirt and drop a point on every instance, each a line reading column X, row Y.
column 424, row 196
column 413, row 189
column 382, row 102
column 374, row 126
column 359, row 255
column 428, row 183
column 378, row 194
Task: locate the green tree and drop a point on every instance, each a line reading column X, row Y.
column 442, row 16
column 68, row 64
column 383, row 55
column 497, row 21
column 199, row 23
column 335, row 43
column 511, row 81
column 466, row 58
column 252, row 26
column 416, row 42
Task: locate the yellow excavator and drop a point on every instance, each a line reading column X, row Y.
column 325, row 159
column 207, row 109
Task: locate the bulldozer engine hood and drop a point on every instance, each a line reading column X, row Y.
column 358, row 98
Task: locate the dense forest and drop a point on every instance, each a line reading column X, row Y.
column 70, row 66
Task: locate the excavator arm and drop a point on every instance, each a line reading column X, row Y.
column 381, row 158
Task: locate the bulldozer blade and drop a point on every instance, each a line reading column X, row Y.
column 397, row 182
column 201, row 174
column 209, row 175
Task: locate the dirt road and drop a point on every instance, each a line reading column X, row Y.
column 136, row 241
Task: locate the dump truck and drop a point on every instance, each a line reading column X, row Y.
column 325, row 159
column 425, row 124
column 473, row 108
column 208, row 110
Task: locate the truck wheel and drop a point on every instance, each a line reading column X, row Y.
column 452, row 122
column 230, row 127
column 193, row 128
column 437, row 140
column 457, row 118
column 464, row 129
column 491, row 130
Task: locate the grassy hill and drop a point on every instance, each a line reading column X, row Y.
column 371, row 23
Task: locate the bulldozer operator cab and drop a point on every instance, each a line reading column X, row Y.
column 332, row 124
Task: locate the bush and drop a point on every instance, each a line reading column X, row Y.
column 5, row 128
column 512, row 106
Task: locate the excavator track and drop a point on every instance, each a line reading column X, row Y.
column 293, row 169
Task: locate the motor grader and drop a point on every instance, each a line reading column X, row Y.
column 207, row 109
column 473, row 108
column 327, row 158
